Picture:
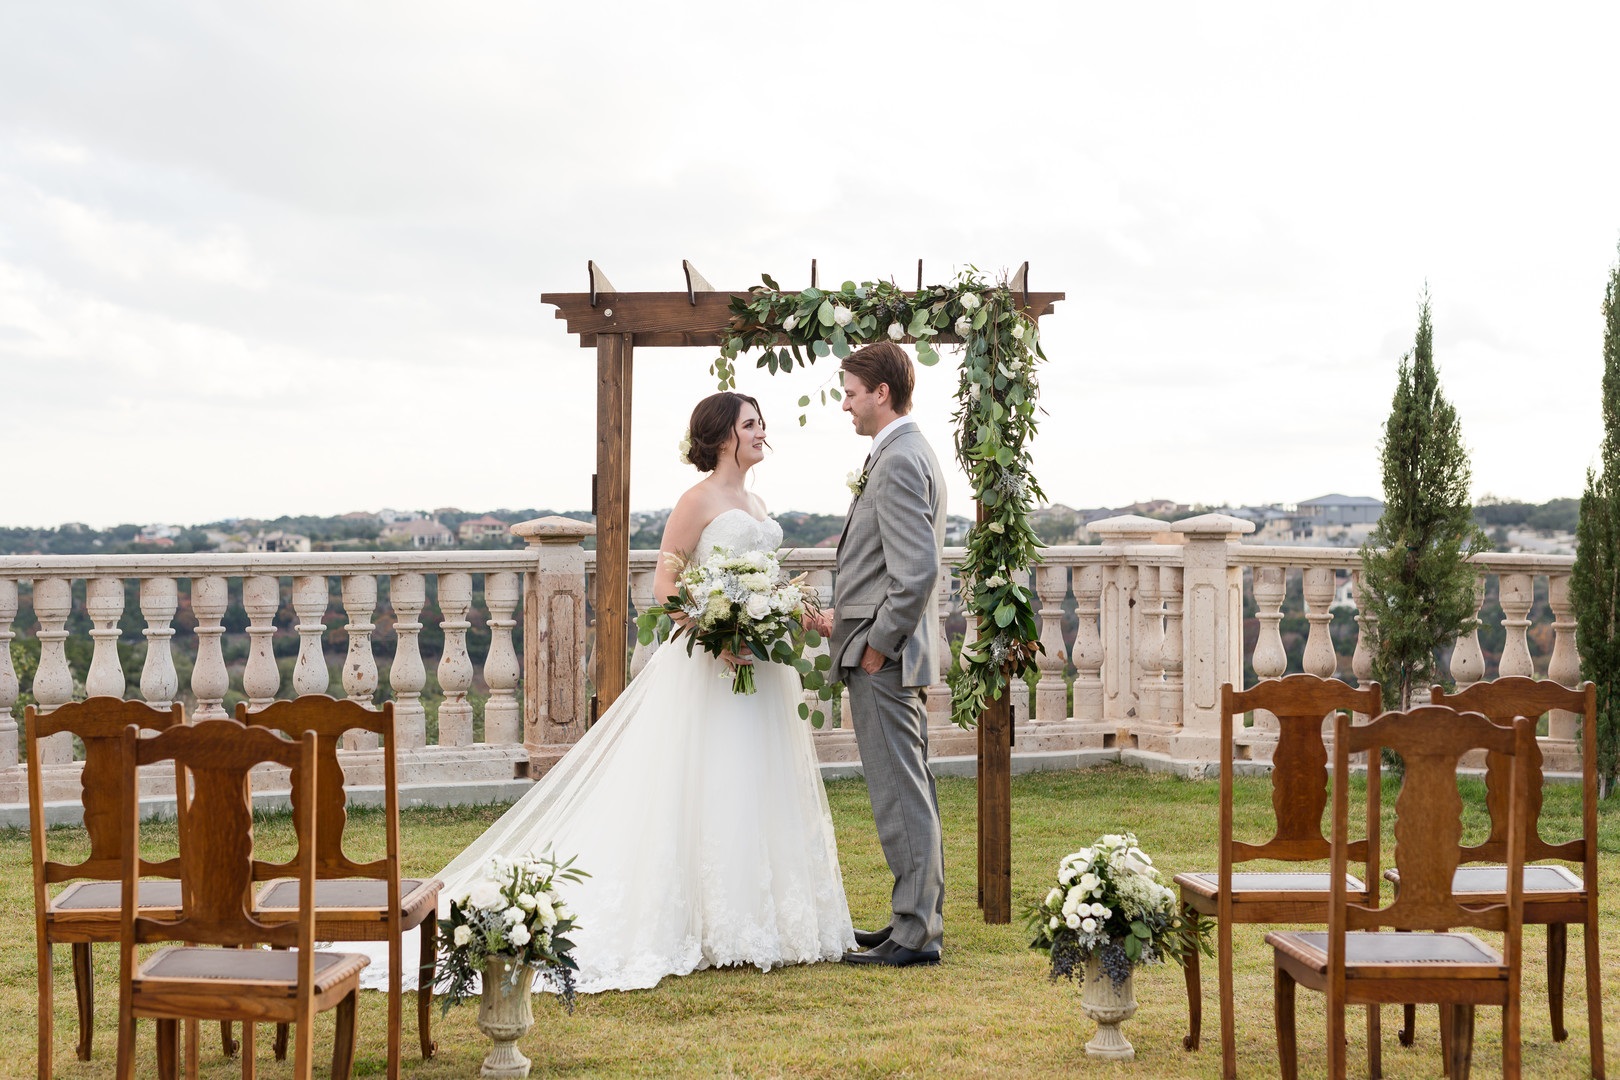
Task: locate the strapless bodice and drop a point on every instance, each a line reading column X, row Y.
column 739, row 531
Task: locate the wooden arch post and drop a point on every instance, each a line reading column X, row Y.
column 615, row 323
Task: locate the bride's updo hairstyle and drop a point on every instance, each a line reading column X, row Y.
column 713, row 424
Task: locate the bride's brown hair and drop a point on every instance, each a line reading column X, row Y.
column 714, row 421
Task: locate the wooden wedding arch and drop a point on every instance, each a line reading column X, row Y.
column 615, row 323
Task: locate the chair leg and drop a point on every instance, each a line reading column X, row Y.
column 343, row 1042
column 168, row 1047
column 227, row 1043
column 1408, row 1034
column 280, row 1045
column 1375, row 1042
column 1195, row 992
column 1227, row 1003
column 1447, row 1021
column 1461, row 1057
column 1287, row 1048
column 249, row 1065
column 44, row 992
column 396, row 1007
column 1594, row 997
column 1557, row 960
column 84, row 991
column 193, row 1042
column 426, row 976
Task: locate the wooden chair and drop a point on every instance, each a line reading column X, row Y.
column 1299, row 784
column 1352, row 963
column 217, row 870
column 356, row 901
column 1554, row 896
column 87, row 911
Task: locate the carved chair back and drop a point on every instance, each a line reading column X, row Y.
column 328, row 719
column 1504, row 700
column 1431, row 741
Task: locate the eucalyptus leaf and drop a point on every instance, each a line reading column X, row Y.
column 825, row 313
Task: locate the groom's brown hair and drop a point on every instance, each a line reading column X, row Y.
column 884, row 362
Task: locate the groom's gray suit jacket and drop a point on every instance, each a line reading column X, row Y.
column 889, row 561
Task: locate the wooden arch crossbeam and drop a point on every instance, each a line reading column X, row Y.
column 615, row 323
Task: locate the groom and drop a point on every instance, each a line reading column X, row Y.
column 885, row 638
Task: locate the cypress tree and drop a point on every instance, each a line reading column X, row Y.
column 1595, row 585
column 1416, row 573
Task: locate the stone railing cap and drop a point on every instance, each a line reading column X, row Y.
column 1128, row 525
column 553, row 530
column 1213, row 525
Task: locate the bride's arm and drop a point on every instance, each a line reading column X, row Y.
column 681, row 534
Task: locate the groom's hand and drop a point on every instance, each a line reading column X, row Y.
column 872, row 661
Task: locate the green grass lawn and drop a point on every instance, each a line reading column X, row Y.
column 988, row 1010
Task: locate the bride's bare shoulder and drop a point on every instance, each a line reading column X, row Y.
column 693, row 511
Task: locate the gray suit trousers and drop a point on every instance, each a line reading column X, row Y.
column 891, row 728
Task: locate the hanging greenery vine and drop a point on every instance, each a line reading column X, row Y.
column 997, row 402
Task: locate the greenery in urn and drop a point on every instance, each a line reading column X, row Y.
column 1595, row 584
column 1111, row 903
column 997, row 407
column 514, row 913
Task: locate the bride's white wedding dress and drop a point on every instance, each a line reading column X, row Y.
column 699, row 814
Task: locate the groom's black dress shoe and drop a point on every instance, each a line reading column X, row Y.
column 893, row 954
column 868, row 938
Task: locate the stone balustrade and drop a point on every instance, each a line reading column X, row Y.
column 1140, row 632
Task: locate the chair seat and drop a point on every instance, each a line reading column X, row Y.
column 103, row 896
column 354, row 897
column 1387, row 951
column 1254, row 885
column 275, row 971
column 1490, row 882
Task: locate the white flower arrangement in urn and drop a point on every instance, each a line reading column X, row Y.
column 507, row 927
column 1110, row 913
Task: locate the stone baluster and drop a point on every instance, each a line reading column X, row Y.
column 1361, row 662
column 1269, row 660
column 642, row 597
column 555, row 708
column 1052, row 692
column 1467, row 658
column 408, row 594
column 455, row 666
column 1088, row 646
column 104, row 603
column 261, row 679
column 1516, row 593
column 1564, row 666
column 210, row 597
column 1320, row 658
column 160, row 599
column 503, row 716
column 1149, row 643
column 1171, row 692
column 53, row 680
column 360, row 665
column 309, row 597
column 1212, row 606
column 10, row 691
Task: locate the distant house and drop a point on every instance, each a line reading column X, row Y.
column 1341, row 510
column 418, row 534
column 364, row 516
column 279, row 541
column 151, row 534
column 481, row 529
column 388, row 515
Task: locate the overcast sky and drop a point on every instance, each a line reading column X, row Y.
column 266, row 259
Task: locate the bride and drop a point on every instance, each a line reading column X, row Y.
column 699, row 813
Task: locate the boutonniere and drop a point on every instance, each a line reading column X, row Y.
column 857, row 482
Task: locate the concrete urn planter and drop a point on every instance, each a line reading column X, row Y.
column 1110, row 1006
column 505, row 1015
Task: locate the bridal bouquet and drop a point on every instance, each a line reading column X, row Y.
column 742, row 603
column 1110, row 903
column 512, row 913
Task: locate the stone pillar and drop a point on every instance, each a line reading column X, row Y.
column 1052, row 692
column 455, row 666
column 503, row 714
column 407, row 595
column 309, row 596
column 104, row 603
column 1212, row 619
column 160, row 599
column 1172, row 690
column 555, row 707
column 53, row 680
column 1088, row 646
column 642, row 598
column 1270, row 660
column 210, row 680
column 261, row 679
column 1467, row 659
column 1516, row 593
column 1121, row 669
column 360, row 664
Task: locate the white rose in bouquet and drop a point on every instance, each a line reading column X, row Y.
column 526, row 901
column 513, row 915
column 896, row 331
column 519, row 935
column 1018, row 331
column 486, row 896
column 758, row 606
column 842, row 315
column 547, row 911
column 963, row 325
column 970, row 301
column 462, row 935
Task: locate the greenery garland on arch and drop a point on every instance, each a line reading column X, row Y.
column 997, row 405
